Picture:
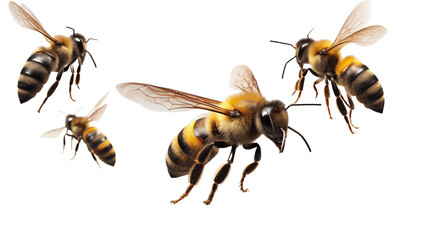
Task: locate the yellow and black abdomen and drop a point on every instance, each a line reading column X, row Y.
column 99, row 145
column 185, row 146
column 361, row 82
column 35, row 74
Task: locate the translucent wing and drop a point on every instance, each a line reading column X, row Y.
column 24, row 17
column 166, row 99
column 242, row 78
column 352, row 30
column 97, row 114
column 95, row 108
column 363, row 37
column 53, row 133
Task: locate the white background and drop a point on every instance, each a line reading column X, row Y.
column 370, row 185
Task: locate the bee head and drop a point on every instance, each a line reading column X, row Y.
column 302, row 50
column 274, row 122
column 81, row 43
column 69, row 119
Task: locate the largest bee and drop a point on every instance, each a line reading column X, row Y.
column 327, row 63
column 239, row 120
column 58, row 57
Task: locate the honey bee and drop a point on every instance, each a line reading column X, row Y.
column 239, row 120
column 327, row 63
column 58, row 57
column 78, row 128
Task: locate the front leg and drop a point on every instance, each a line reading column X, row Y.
column 299, row 85
column 251, row 167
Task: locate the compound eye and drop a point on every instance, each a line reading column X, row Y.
column 266, row 122
column 79, row 44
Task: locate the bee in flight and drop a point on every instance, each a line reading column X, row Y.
column 58, row 57
column 78, row 128
column 239, row 120
column 327, row 64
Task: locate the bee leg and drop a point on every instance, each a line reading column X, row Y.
column 75, row 150
column 78, row 76
column 352, row 107
column 340, row 104
column 64, row 140
column 93, row 156
column 222, row 172
column 299, row 85
column 251, row 167
column 317, row 82
column 53, row 87
column 71, row 81
column 196, row 171
column 327, row 96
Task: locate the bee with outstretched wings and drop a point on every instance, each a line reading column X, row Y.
column 58, row 57
column 78, row 128
column 328, row 65
column 239, row 120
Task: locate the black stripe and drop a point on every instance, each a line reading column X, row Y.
column 366, row 83
column 183, row 145
column 353, row 72
column 29, row 86
column 94, row 144
column 91, row 135
column 111, row 159
column 45, row 59
column 173, row 157
column 105, row 150
column 376, row 95
column 34, row 74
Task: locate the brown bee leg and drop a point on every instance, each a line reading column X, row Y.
column 77, row 148
column 340, row 104
column 299, row 85
column 196, row 171
column 78, row 75
column 222, row 172
column 93, row 156
column 352, row 107
column 71, row 81
column 327, row 96
column 251, row 167
column 317, row 82
column 52, row 88
column 64, row 140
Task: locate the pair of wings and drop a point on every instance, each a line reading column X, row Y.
column 166, row 99
column 26, row 18
column 95, row 114
column 352, row 31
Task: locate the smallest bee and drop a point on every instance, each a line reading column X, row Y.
column 78, row 128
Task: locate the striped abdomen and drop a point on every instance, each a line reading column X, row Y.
column 99, row 145
column 361, row 82
column 34, row 74
column 185, row 146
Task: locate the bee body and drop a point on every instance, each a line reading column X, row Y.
column 326, row 63
column 99, row 145
column 58, row 57
column 238, row 121
column 361, row 82
column 79, row 128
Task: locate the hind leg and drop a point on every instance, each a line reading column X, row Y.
column 196, row 171
column 222, row 172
